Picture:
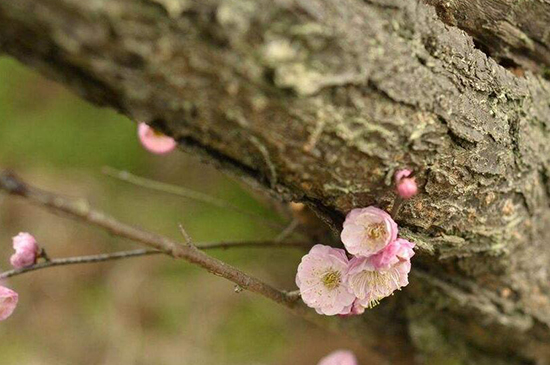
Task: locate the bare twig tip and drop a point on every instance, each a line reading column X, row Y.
column 11, row 183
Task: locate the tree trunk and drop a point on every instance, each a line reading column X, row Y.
column 320, row 101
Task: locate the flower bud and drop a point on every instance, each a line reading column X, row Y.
column 406, row 186
column 26, row 250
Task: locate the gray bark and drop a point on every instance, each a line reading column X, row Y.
column 320, row 101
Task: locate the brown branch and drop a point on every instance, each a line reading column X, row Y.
column 144, row 252
column 79, row 260
column 80, row 210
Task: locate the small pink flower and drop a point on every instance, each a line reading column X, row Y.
column 322, row 282
column 8, row 302
column 406, row 186
column 26, row 250
column 154, row 141
column 398, row 250
column 370, row 285
column 340, row 357
column 367, row 231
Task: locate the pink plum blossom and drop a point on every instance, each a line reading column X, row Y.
column 370, row 284
column 322, row 282
column 8, row 302
column 398, row 250
column 406, row 186
column 154, row 141
column 340, row 357
column 367, row 231
column 26, row 250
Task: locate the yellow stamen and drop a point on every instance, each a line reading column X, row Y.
column 332, row 279
column 376, row 231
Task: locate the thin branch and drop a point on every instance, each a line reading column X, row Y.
column 80, row 210
column 185, row 235
column 185, row 193
column 80, row 260
column 142, row 252
column 288, row 231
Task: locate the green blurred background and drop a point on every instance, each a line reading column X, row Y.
column 146, row 310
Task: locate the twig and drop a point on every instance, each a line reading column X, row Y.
column 185, row 235
column 44, row 255
column 80, row 210
column 287, row 232
column 79, row 260
column 141, row 252
column 265, row 154
column 185, row 193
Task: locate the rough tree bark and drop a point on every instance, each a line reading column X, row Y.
column 320, row 101
column 513, row 32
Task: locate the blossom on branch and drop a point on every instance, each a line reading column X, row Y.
column 367, row 231
column 26, row 250
column 322, row 282
column 380, row 265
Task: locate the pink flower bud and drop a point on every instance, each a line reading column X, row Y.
column 406, row 186
column 340, row 357
column 26, row 250
column 154, row 141
column 8, row 302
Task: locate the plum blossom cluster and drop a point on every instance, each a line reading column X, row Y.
column 332, row 283
column 26, row 254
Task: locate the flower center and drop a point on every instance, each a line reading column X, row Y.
column 374, row 285
column 332, row 279
column 377, row 279
column 376, row 231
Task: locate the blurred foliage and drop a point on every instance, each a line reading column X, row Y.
column 141, row 311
